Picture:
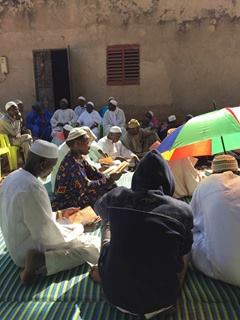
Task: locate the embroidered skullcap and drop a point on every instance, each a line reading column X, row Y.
column 224, row 162
column 133, row 123
column 76, row 133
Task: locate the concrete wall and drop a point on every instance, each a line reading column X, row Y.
column 189, row 50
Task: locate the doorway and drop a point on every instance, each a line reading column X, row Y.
column 52, row 76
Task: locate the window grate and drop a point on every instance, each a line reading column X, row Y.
column 123, row 65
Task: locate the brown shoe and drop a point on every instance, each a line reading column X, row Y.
column 34, row 265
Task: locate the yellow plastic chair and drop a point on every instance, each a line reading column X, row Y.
column 13, row 152
column 5, row 150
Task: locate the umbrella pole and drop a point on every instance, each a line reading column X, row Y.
column 223, row 145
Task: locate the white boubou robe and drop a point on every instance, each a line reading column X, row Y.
column 114, row 118
column 89, row 119
column 27, row 222
column 62, row 116
column 216, row 212
column 116, row 149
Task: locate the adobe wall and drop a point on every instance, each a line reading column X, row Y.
column 189, row 50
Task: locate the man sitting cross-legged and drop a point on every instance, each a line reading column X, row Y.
column 215, row 204
column 78, row 183
column 10, row 124
column 138, row 140
column 113, row 146
column 146, row 239
column 35, row 238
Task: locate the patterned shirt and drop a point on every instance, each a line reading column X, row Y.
column 78, row 184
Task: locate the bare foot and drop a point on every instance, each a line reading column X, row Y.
column 94, row 273
column 34, row 265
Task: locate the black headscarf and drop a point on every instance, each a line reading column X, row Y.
column 153, row 173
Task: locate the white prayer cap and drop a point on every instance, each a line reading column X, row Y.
column 76, row 133
column 9, row 104
column 17, row 101
column 113, row 102
column 111, row 98
column 44, row 149
column 91, row 103
column 115, row 129
column 89, row 133
column 67, row 127
column 82, row 98
column 172, row 118
column 64, row 100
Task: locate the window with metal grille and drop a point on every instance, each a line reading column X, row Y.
column 123, row 65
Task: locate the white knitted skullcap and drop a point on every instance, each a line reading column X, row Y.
column 89, row 132
column 172, row 118
column 9, row 104
column 17, row 101
column 91, row 103
column 44, row 149
column 115, row 129
column 82, row 98
column 67, row 127
column 113, row 102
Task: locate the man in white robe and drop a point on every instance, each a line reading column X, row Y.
column 34, row 235
column 114, row 116
column 81, row 107
column 215, row 205
column 90, row 118
column 63, row 116
column 112, row 146
column 10, row 124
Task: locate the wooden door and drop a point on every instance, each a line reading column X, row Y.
column 43, row 77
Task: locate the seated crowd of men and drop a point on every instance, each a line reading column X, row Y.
column 148, row 234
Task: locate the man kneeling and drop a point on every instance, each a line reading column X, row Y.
column 35, row 239
column 146, row 238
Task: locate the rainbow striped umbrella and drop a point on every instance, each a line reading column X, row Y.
column 211, row 133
